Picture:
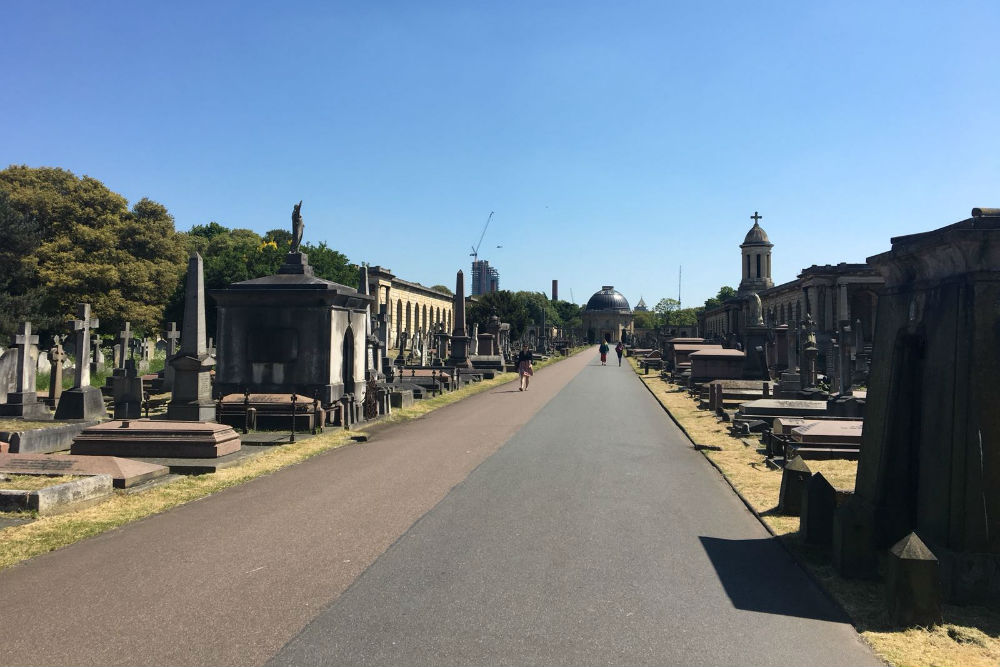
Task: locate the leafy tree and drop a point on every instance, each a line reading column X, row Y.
column 664, row 308
column 79, row 241
column 443, row 288
column 644, row 320
column 569, row 313
column 505, row 305
column 331, row 265
column 725, row 292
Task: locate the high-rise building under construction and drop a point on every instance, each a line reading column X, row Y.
column 485, row 278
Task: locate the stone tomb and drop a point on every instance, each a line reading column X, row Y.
column 716, row 364
column 157, row 439
column 777, row 407
column 124, row 472
column 291, row 333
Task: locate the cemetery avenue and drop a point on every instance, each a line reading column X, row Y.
column 572, row 524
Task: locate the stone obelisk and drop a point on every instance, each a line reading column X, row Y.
column 191, row 398
column 459, row 338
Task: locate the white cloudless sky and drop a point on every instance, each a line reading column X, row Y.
column 614, row 142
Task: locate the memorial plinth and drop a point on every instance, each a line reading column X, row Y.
column 157, row 439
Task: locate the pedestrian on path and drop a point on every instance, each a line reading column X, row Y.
column 619, row 350
column 603, row 349
column 524, row 366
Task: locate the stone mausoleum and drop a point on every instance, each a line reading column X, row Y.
column 291, row 333
column 607, row 316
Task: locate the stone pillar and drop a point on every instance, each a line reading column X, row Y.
column 555, row 290
column 191, row 398
column 459, row 338
column 913, row 584
column 172, row 335
column 56, row 358
column 843, row 305
column 793, row 482
column 82, row 401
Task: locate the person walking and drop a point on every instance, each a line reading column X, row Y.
column 603, row 349
column 524, row 366
column 619, row 350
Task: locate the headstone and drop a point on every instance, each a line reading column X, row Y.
column 56, row 356
column 95, row 346
column 818, row 505
column 474, row 342
column 191, row 398
column 23, row 401
column 172, row 336
column 82, row 401
column 124, row 345
column 793, row 482
column 913, row 584
column 128, row 393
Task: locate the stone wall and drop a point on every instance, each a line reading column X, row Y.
column 410, row 306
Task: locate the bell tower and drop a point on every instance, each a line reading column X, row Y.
column 756, row 259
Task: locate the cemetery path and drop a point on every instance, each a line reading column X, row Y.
column 572, row 524
column 595, row 535
column 229, row 579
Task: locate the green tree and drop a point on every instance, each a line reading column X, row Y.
column 505, row 305
column 569, row 313
column 644, row 320
column 725, row 292
column 664, row 308
column 443, row 288
column 81, row 242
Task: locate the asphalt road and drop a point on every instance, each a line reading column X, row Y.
column 596, row 535
column 571, row 524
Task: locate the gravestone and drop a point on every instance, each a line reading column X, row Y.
column 152, row 438
column 191, row 398
column 82, row 401
column 23, row 401
column 124, row 473
column 173, row 336
column 56, row 356
column 930, row 453
column 128, row 393
column 818, row 505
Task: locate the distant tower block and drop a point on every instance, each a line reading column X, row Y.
column 555, row 290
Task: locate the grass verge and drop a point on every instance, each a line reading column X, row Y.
column 19, row 543
column 969, row 637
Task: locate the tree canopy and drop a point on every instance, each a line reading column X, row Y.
column 66, row 240
column 725, row 292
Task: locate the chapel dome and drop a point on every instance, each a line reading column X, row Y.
column 608, row 299
column 756, row 236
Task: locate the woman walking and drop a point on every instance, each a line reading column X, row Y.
column 524, row 366
column 619, row 349
column 603, row 349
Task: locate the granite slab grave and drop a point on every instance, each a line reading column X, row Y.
column 829, row 431
column 155, row 438
column 44, row 440
column 124, row 472
column 67, row 497
column 779, row 407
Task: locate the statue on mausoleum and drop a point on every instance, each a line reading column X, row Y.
column 297, row 226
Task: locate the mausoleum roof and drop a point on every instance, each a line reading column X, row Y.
column 756, row 236
column 608, row 299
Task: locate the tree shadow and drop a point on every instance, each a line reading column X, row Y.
column 760, row 575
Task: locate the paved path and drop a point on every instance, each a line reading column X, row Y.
column 571, row 524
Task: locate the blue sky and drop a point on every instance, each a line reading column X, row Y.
column 614, row 141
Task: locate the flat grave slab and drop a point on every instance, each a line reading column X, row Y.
column 829, row 431
column 142, row 439
column 202, row 466
column 124, row 472
column 780, row 407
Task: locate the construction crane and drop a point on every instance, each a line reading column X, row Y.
column 475, row 249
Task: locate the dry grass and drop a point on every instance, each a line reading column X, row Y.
column 32, row 482
column 970, row 637
column 18, row 543
column 15, row 425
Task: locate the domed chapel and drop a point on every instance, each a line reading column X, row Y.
column 608, row 316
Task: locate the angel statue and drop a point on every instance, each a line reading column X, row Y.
column 297, row 226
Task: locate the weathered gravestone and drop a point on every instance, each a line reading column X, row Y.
column 913, row 584
column 56, row 356
column 128, row 393
column 930, row 454
column 794, row 477
column 82, row 401
column 818, row 505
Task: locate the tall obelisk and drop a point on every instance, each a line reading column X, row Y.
column 191, row 398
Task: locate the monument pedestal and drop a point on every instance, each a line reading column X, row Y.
column 459, row 352
column 81, row 403
column 755, row 362
column 25, row 404
column 191, row 400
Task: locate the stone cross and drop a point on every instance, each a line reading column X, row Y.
column 125, row 340
column 755, row 217
column 172, row 335
column 98, row 358
column 82, row 328
column 56, row 357
column 24, row 341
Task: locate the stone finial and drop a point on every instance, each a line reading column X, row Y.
column 793, row 482
column 913, row 583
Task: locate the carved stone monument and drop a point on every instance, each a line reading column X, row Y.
column 23, row 401
column 459, row 339
column 930, row 450
column 191, row 398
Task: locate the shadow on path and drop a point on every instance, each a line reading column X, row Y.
column 746, row 569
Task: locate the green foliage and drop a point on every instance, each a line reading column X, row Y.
column 505, row 305
column 569, row 313
column 443, row 288
column 725, row 292
column 645, row 320
column 70, row 240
